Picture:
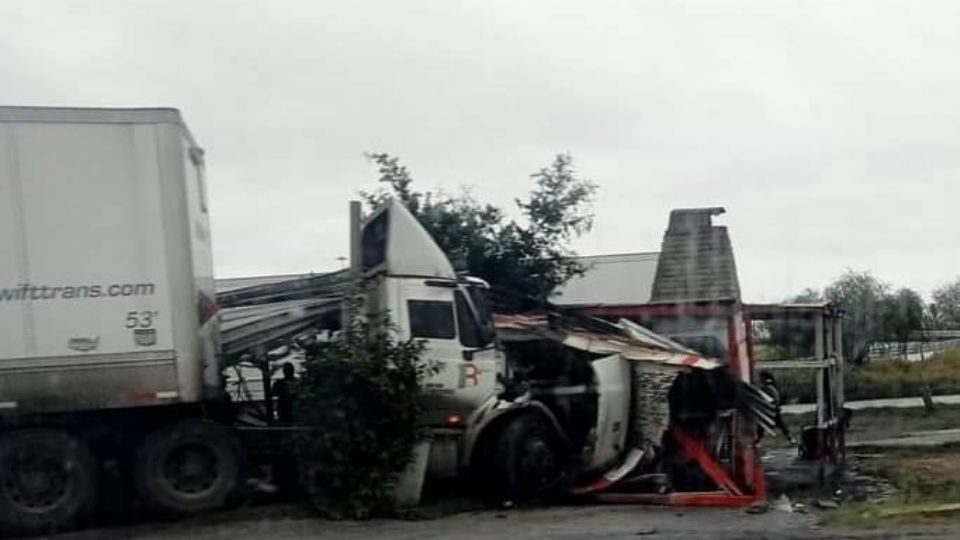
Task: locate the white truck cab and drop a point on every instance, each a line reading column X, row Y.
column 458, row 336
column 411, row 280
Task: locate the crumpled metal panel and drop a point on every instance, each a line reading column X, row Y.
column 650, row 410
column 627, row 339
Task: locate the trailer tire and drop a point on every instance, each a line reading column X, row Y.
column 528, row 458
column 48, row 479
column 187, row 468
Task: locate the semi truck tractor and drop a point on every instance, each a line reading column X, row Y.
column 114, row 346
column 111, row 349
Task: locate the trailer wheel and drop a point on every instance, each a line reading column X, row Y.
column 48, row 478
column 528, row 458
column 186, row 468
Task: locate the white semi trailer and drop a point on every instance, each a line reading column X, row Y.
column 108, row 321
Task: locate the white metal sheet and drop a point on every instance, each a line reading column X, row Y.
column 622, row 279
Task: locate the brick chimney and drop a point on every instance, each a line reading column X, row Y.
column 696, row 260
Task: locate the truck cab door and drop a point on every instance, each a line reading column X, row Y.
column 437, row 312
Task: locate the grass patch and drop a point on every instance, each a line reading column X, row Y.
column 927, row 481
column 886, row 422
column 879, row 379
column 879, row 423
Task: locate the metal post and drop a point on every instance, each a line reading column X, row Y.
column 356, row 304
column 831, row 387
column 838, row 355
column 355, row 248
column 819, row 355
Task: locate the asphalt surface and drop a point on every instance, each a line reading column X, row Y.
column 565, row 523
column 915, row 439
column 899, row 403
column 557, row 523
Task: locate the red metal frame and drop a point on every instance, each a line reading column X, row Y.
column 693, row 449
column 745, row 484
column 730, row 493
column 690, row 498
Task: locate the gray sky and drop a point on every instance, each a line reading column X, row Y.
column 829, row 130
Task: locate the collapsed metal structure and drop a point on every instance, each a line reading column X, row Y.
column 700, row 413
column 693, row 418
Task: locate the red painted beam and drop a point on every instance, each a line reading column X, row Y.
column 689, row 498
column 694, row 450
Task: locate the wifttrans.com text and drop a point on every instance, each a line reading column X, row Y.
column 29, row 292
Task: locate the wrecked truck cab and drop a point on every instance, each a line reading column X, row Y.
column 611, row 390
column 409, row 279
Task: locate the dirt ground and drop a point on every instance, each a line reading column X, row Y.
column 558, row 523
column 885, row 479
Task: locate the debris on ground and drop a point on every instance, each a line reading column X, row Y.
column 783, row 504
column 826, row 504
column 647, row 530
column 758, row 508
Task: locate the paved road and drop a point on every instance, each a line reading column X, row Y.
column 558, row 523
column 915, row 439
column 900, row 403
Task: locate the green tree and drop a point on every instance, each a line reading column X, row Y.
column 530, row 256
column 933, row 318
column 792, row 337
column 902, row 314
column 946, row 305
column 360, row 399
column 862, row 297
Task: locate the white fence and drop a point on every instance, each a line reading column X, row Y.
column 913, row 350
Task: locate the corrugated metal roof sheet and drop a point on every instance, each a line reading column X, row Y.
column 233, row 283
column 625, row 278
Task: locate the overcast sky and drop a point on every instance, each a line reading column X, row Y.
column 829, row 130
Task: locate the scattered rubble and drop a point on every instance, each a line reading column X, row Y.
column 783, row 504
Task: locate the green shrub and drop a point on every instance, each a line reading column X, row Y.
column 360, row 401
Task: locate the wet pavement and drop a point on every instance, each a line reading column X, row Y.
column 899, row 403
column 913, row 439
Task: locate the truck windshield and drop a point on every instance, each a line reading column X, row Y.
column 473, row 317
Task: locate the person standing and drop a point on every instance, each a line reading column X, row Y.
column 770, row 387
column 282, row 391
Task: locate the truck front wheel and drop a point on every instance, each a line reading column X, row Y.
column 189, row 467
column 528, row 458
column 48, row 478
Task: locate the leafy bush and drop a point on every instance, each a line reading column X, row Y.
column 361, row 399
